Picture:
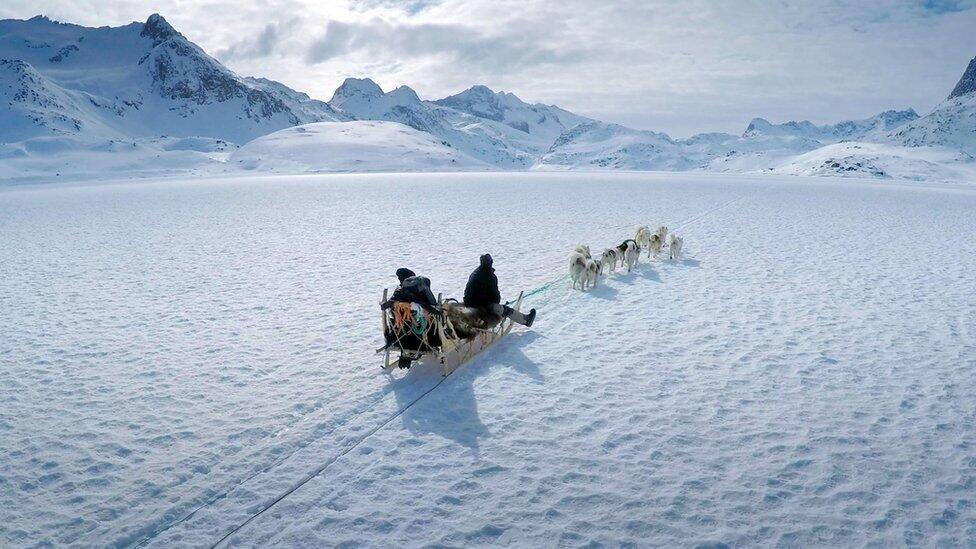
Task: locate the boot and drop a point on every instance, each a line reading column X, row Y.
column 520, row 318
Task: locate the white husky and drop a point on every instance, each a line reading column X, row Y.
column 609, row 259
column 583, row 251
column 577, row 269
column 674, row 245
column 643, row 239
column 655, row 245
column 593, row 270
column 662, row 233
column 631, row 253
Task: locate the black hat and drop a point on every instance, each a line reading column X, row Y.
column 486, row 261
column 404, row 273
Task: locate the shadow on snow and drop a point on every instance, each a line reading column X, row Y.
column 451, row 411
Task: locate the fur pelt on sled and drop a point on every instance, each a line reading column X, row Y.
column 468, row 320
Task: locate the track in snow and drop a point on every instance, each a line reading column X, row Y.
column 399, row 412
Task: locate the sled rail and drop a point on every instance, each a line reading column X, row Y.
column 453, row 351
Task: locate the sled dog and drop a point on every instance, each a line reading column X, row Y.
column 593, row 270
column 674, row 245
column 643, row 239
column 577, row 269
column 655, row 245
column 608, row 261
column 630, row 252
column 583, row 251
column 662, row 232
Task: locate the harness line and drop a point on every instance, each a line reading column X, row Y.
column 548, row 285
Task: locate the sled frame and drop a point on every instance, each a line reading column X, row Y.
column 453, row 351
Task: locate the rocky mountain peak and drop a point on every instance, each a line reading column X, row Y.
column 405, row 94
column 967, row 84
column 478, row 91
column 357, row 86
column 157, row 28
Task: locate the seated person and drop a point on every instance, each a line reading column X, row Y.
column 413, row 289
column 481, row 292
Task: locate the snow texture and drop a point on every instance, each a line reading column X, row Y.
column 177, row 355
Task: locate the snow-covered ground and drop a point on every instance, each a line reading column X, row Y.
column 856, row 159
column 359, row 146
column 178, row 355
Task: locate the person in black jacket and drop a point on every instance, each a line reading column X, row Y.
column 481, row 292
column 413, row 289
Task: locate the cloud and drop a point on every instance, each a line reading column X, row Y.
column 451, row 42
column 666, row 65
column 945, row 6
column 261, row 45
column 409, row 7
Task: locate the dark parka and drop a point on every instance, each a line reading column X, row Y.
column 413, row 289
column 482, row 288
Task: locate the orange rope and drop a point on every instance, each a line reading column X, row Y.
column 402, row 315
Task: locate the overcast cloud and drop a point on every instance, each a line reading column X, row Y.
column 675, row 66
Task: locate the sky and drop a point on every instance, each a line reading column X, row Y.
column 680, row 67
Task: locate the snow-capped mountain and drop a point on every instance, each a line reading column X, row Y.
column 487, row 140
column 85, row 86
column 602, row 145
column 598, row 145
column 860, row 159
column 966, row 84
column 546, row 122
column 875, row 127
column 145, row 91
column 37, row 106
column 137, row 80
column 304, row 107
column 951, row 124
column 762, row 146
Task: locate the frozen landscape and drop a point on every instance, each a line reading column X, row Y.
column 192, row 261
column 142, row 100
column 180, row 354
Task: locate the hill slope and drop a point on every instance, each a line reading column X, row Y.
column 952, row 124
column 360, row 146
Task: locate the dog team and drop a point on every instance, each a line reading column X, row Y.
column 585, row 271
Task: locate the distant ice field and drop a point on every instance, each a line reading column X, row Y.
column 176, row 355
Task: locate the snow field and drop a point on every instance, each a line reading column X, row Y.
column 801, row 377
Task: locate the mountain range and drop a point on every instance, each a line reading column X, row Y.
column 145, row 89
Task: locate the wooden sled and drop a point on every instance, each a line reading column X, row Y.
column 453, row 351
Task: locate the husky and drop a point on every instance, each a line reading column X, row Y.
column 654, row 247
column 630, row 251
column 609, row 259
column 674, row 245
column 592, row 276
column 577, row 269
column 583, row 251
column 643, row 239
column 662, row 233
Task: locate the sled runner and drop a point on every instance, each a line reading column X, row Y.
column 449, row 339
